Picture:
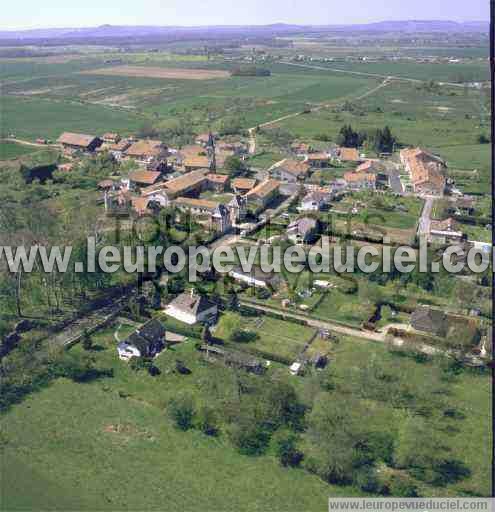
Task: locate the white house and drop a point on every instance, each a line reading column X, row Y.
column 314, row 201
column 191, row 308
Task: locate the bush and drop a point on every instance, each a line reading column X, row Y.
column 401, row 486
column 249, row 436
column 286, row 450
column 181, row 411
column 365, row 478
column 207, row 421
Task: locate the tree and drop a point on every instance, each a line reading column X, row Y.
column 349, row 138
column 181, row 411
column 483, row 139
column 87, row 342
column 235, row 166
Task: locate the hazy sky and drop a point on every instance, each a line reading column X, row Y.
column 64, row 13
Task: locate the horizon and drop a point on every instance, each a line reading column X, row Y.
column 281, row 23
column 26, row 15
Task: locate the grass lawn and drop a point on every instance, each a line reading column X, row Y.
column 285, row 339
column 343, row 307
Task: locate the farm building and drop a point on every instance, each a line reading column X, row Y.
column 146, row 151
column 191, row 184
column 256, row 277
column 432, row 321
column 242, row 185
column 318, row 160
column 79, row 142
column 143, row 178
column 262, row 194
column 427, row 171
column 218, row 182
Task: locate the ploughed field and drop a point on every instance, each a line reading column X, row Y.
column 157, row 72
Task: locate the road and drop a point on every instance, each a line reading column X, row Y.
column 29, row 143
column 368, row 75
column 424, row 226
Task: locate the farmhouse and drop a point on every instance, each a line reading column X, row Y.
column 217, row 215
column 117, row 150
column 242, row 185
column 143, row 178
column 191, row 308
column 189, row 184
column 445, row 231
column 193, row 163
column 360, row 180
column 290, row 171
column 301, row 148
column 110, row 138
column 256, row 277
column 147, row 341
column 79, row 142
column 319, row 160
column 146, row 150
column 427, row 171
column 349, row 155
column 262, row 194
column 303, row 230
column 217, row 182
column 315, row 201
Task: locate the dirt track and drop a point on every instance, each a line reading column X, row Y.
column 156, row 72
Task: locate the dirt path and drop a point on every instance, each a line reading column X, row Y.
column 29, row 143
column 424, row 226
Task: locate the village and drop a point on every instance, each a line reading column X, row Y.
column 212, row 183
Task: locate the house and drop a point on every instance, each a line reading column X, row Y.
column 145, row 151
column 110, row 138
column 256, row 277
column 118, row 149
column 290, row 170
column 348, row 155
column 303, row 230
column 427, row 171
column 360, row 180
column 242, row 185
column 191, row 308
column 147, row 341
column 263, row 193
column 314, row 201
column 238, row 209
column 431, row 321
column 217, row 182
column 318, row 160
column 233, row 148
column 108, row 185
column 191, row 184
column 300, row 148
column 194, row 163
column 445, row 231
column 79, row 142
column 217, row 215
column 143, row 178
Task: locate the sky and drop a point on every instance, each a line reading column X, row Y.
column 62, row 13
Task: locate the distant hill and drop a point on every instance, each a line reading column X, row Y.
column 115, row 31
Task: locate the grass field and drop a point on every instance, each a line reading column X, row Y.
column 91, row 446
column 10, row 150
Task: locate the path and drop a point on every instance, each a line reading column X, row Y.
column 425, row 219
column 29, row 143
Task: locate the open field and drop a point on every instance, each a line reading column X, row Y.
column 80, row 446
column 10, row 150
column 155, row 72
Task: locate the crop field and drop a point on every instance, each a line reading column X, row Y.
column 10, row 150
column 69, row 95
column 156, row 72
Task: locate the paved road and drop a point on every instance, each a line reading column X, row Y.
column 424, row 226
